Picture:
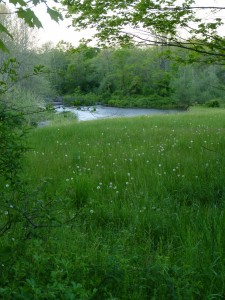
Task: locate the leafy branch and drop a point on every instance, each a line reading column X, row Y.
column 23, row 10
column 118, row 22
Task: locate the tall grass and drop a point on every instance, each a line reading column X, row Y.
column 146, row 197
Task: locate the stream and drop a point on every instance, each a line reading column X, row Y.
column 103, row 112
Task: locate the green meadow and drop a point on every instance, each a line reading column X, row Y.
column 138, row 208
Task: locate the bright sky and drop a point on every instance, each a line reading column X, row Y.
column 56, row 32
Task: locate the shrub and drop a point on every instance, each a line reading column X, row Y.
column 212, row 103
column 21, row 212
column 79, row 99
column 28, row 103
column 151, row 101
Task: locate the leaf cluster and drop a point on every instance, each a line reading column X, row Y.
column 23, row 9
column 144, row 22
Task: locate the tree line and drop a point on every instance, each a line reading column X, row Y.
column 132, row 77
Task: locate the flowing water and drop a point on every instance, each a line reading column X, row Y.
column 103, row 112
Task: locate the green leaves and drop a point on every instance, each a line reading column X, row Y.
column 29, row 17
column 149, row 22
column 23, row 9
column 3, row 46
column 38, row 69
column 4, row 30
column 54, row 14
column 16, row 2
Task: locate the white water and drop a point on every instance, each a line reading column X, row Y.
column 103, row 112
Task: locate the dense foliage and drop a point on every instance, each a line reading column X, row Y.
column 132, row 77
column 20, row 107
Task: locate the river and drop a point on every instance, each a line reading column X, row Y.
column 103, row 112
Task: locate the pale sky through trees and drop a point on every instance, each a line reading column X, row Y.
column 55, row 32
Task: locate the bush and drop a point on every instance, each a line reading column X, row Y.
column 152, row 101
column 21, row 213
column 28, row 103
column 79, row 99
column 212, row 103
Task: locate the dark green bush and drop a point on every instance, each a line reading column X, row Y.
column 212, row 103
column 79, row 99
column 152, row 101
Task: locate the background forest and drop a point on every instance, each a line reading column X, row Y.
column 132, row 77
column 123, row 77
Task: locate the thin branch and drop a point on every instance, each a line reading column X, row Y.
column 175, row 44
column 197, row 7
column 180, row 8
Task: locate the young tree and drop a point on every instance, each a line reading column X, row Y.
column 196, row 84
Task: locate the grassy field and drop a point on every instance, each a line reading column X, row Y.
column 141, row 202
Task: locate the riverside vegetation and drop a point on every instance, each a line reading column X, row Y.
column 141, row 207
column 110, row 209
column 132, row 77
